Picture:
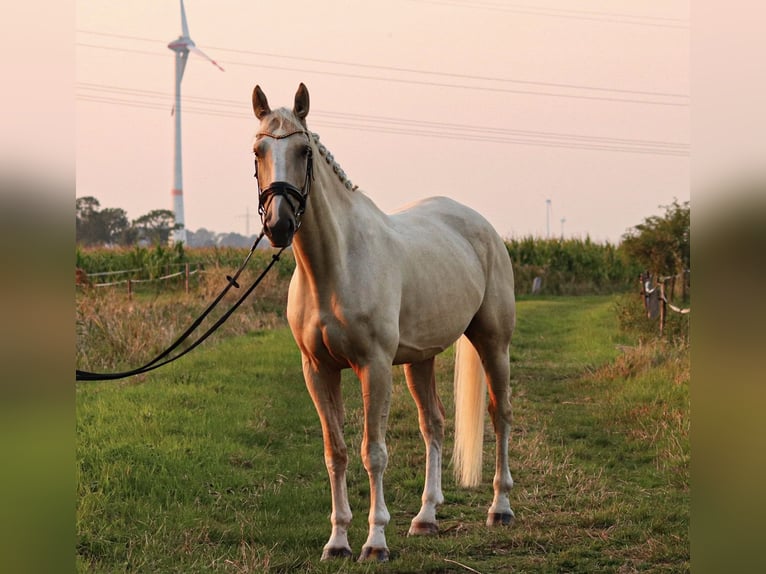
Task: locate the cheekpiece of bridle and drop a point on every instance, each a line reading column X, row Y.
column 285, row 188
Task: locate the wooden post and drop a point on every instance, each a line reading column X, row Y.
column 130, row 289
column 186, row 278
column 663, row 310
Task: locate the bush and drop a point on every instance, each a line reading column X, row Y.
column 662, row 245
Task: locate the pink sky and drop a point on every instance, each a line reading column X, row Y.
column 394, row 88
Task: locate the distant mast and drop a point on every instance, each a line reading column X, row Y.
column 547, row 218
column 181, row 46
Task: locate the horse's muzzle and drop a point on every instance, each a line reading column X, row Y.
column 279, row 222
column 281, row 235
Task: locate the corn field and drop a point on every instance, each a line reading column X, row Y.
column 571, row 266
column 564, row 266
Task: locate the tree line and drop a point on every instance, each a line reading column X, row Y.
column 110, row 226
column 96, row 226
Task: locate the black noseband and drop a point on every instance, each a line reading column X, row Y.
column 284, row 189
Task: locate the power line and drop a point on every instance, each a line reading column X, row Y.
column 542, row 142
column 415, row 82
column 456, row 75
column 496, row 130
column 388, row 120
column 401, row 69
column 570, row 11
column 586, row 15
column 532, row 142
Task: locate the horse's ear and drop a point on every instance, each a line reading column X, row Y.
column 260, row 104
column 301, row 106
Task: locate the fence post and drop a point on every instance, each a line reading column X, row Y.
column 663, row 309
column 648, row 295
column 186, row 278
column 130, row 289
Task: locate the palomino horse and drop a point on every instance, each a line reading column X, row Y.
column 372, row 290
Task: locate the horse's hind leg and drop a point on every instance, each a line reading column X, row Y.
column 422, row 384
column 496, row 362
column 325, row 391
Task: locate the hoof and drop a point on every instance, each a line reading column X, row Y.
column 500, row 518
column 378, row 554
column 423, row 529
column 333, row 553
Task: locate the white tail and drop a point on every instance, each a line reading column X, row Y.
column 470, row 406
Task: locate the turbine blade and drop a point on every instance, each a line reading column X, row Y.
column 184, row 25
column 208, row 58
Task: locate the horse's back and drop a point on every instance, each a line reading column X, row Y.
column 441, row 212
column 441, row 221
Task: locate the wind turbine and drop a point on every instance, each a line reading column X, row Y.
column 181, row 46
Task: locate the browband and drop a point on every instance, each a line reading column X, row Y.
column 280, row 136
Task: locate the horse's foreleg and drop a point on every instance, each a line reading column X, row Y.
column 324, row 388
column 376, row 393
column 422, row 384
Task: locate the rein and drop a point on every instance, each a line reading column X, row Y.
column 163, row 359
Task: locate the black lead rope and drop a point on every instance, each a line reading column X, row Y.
column 161, row 360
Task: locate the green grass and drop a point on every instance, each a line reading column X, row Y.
column 214, row 463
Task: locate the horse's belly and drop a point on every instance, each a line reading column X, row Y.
column 429, row 329
column 406, row 354
column 440, row 296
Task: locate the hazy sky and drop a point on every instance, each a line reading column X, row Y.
column 500, row 105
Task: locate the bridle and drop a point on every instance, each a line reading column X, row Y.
column 284, row 188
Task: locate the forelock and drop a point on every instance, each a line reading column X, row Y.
column 281, row 121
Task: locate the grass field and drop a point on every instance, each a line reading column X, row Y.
column 214, row 463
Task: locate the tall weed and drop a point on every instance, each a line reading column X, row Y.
column 118, row 331
column 634, row 320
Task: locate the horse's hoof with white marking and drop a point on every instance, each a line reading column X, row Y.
column 332, row 553
column 379, row 554
column 423, row 529
column 500, row 518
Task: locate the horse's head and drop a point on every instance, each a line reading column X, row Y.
column 283, row 165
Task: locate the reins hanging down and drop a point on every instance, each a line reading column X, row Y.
column 163, row 358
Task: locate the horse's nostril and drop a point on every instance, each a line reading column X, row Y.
column 281, row 231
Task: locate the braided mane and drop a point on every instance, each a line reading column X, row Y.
column 325, row 153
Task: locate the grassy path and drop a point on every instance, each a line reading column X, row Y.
column 214, row 464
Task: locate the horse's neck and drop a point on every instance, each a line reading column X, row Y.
column 334, row 218
column 321, row 235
